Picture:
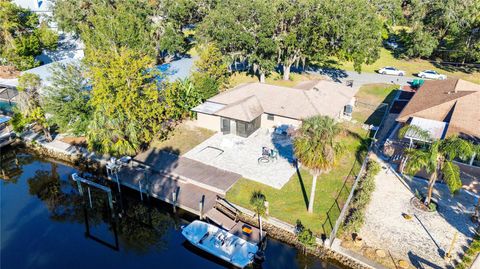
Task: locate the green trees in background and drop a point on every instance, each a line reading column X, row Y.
column 179, row 97
column 66, row 100
column 289, row 32
column 22, row 36
column 449, row 29
column 244, row 30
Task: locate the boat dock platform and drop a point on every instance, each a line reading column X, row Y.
column 187, row 184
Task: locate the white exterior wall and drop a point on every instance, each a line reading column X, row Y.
column 206, row 121
column 213, row 123
column 277, row 121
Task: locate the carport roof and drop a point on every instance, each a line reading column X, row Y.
column 436, row 129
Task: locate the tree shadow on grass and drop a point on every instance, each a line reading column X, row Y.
column 302, row 186
column 464, row 68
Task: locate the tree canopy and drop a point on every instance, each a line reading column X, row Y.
column 449, row 29
column 127, row 111
column 289, row 32
column 66, row 100
column 22, row 36
column 437, row 159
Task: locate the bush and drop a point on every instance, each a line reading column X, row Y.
column 354, row 221
column 307, row 238
column 18, row 122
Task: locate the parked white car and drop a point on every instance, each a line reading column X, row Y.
column 391, row 44
column 388, row 70
column 431, row 74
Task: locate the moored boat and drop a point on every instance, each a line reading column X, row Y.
column 220, row 243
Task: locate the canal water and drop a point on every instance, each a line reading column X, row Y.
column 45, row 223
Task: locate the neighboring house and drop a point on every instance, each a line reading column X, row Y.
column 245, row 108
column 445, row 108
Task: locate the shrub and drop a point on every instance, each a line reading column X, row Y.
column 307, row 238
column 354, row 221
column 18, row 122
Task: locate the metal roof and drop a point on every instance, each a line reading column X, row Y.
column 208, row 107
column 436, row 129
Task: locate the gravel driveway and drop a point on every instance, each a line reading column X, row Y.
column 425, row 238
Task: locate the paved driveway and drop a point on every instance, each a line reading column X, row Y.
column 240, row 155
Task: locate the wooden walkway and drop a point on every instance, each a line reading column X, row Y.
column 194, row 172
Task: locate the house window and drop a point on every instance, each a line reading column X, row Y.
column 270, row 117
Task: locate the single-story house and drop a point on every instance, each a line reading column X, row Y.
column 245, row 108
column 445, row 108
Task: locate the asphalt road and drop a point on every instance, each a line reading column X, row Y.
column 361, row 78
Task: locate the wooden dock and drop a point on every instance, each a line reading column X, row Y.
column 187, row 184
column 194, row 172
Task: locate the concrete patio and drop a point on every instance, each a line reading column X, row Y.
column 240, row 155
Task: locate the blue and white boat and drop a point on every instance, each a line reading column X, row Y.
column 220, row 243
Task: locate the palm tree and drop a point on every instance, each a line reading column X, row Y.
column 438, row 159
column 316, row 147
column 257, row 200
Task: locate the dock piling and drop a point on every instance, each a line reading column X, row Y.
column 174, row 201
column 201, row 207
column 89, row 197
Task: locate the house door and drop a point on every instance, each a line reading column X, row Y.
column 225, row 127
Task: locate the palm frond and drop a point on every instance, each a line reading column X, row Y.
column 451, row 175
column 418, row 160
column 455, row 146
column 414, row 131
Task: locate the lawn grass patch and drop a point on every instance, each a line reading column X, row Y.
column 291, row 202
column 183, row 139
column 371, row 98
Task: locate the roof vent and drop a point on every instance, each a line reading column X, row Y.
column 316, row 89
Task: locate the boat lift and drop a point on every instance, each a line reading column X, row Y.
column 89, row 184
column 108, row 191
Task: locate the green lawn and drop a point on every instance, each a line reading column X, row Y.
column 369, row 100
column 411, row 67
column 290, row 203
column 183, row 139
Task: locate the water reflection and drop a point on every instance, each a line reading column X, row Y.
column 46, row 223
